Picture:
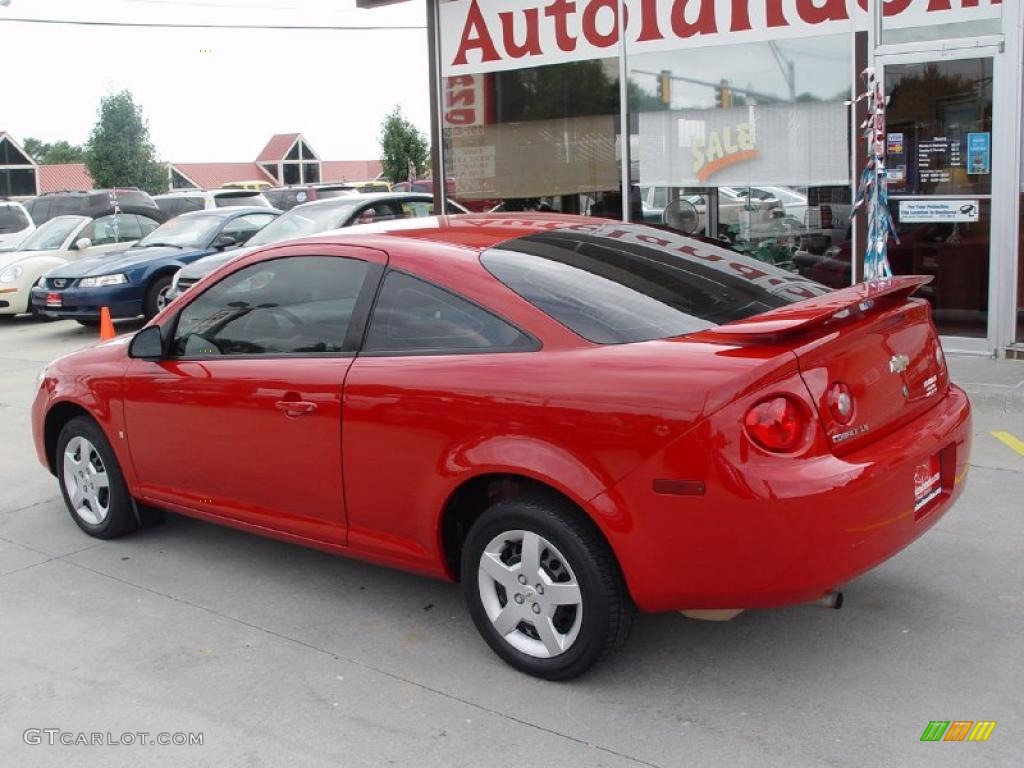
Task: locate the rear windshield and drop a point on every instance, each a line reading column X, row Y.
column 241, row 198
column 323, row 193
column 613, row 284
column 175, row 206
column 12, row 219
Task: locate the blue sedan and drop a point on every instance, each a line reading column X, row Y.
column 135, row 281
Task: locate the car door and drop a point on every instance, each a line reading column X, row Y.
column 242, row 417
column 423, row 383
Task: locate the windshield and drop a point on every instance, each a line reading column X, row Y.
column 626, row 283
column 302, row 221
column 183, row 232
column 53, row 233
column 12, row 219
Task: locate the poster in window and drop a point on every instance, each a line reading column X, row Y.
column 979, row 153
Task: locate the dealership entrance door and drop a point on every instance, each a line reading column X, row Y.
column 940, row 159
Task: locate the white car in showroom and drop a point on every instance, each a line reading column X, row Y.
column 58, row 241
column 15, row 225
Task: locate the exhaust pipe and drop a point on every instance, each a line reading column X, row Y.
column 833, row 599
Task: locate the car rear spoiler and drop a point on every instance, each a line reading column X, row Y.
column 810, row 313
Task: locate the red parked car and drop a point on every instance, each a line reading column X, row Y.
column 574, row 417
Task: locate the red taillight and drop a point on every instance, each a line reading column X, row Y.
column 776, row 424
column 840, row 403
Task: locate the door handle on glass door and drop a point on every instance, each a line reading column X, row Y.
column 294, row 408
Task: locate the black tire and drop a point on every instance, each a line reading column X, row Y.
column 160, row 284
column 119, row 517
column 607, row 610
column 88, row 322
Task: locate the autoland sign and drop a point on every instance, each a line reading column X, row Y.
column 482, row 36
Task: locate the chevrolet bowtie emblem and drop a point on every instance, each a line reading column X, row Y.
column 898, row 363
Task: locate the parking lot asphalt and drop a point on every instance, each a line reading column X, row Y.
column 282, row 656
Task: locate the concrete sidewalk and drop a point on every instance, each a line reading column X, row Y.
column 281, row 655
column 996, row 388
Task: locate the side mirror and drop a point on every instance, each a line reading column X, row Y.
column 82, row 243
column 148, row 344
column 222, row 242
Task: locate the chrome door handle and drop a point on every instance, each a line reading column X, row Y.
column 293, row 408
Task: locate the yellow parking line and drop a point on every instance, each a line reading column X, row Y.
column 1009, row 440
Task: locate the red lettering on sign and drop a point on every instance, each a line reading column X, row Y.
column 704, row 25
column 818, row 11
column 894, row 7
column 649, row 29
column 740, row 16
column 560, row 11
column 590, row 23
column 776, row 18
column 475, row 35
column 531, row 45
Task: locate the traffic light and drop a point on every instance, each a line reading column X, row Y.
column 665, row 87
column 723, row 95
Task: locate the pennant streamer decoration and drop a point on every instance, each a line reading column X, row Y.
column 873, row 193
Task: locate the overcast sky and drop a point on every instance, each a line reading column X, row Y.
column 215, row 94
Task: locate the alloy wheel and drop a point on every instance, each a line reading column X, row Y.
column 86, row 481
column 530, row 594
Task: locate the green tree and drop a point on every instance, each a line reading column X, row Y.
column 35, row 148
column 63, row 152
column 55, row 153
column 119, row 152
column 400, row 143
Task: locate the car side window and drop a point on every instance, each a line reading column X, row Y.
column 414, row 316
column 108, row 230
column 417, row 208
column 128, row 229
column 245, row 227
column 294, row 305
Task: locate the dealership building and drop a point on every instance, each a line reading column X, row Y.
column 739, row 120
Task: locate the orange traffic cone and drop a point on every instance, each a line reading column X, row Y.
column 106, row 325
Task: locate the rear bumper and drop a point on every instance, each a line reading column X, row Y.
column 77, row 303
column 777, row 531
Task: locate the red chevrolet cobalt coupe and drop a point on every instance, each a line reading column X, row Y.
column 573, row 417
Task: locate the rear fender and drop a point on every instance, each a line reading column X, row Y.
column 539, row 460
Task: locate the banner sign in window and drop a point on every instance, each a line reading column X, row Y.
column 938, row 211
column 486, row 36
column 979, row 153
column 777, row 144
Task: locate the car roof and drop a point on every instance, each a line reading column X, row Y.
column 214, row 192
column 227, row 213
column 474, row 232
column 367, row 197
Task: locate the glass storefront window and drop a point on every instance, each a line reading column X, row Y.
column 939, row 125
column 939, row 148
column 540, row 138
column 747, row 144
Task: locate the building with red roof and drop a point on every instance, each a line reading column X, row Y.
column 287, row 158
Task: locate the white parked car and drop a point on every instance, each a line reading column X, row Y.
column 58, row 241
column 183, row 201
column 15, row 225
